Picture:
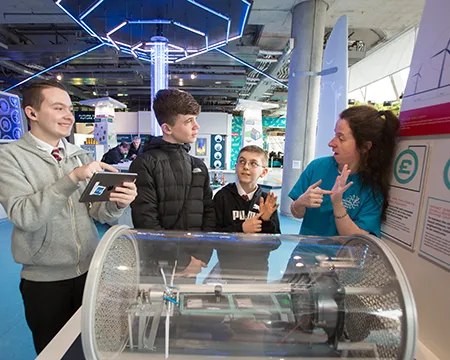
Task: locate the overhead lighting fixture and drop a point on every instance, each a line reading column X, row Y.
column 194, row 76
column 180, row 82
column 94, row 93
column 59, row 77
column 218, row 82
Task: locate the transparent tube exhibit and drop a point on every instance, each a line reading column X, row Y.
column 269, row 296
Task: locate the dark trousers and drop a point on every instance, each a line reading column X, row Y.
column 49, row 305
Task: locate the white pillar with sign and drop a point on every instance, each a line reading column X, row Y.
column 104, row 128
column 252, row 130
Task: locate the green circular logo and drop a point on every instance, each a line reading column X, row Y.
column 406, row 166
column 447, row 174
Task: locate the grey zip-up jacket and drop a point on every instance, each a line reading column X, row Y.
column 54, row 236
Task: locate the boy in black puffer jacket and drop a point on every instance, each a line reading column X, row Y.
column 173, row 187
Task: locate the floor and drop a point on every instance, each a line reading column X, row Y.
column 15, row 337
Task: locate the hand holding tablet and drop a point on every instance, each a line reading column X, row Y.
column 102, row 187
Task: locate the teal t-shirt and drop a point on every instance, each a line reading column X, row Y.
column 359, row 201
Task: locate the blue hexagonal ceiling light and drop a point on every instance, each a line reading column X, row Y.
column 191, row 27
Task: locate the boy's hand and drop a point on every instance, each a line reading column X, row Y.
column 252, row 225
column 268, row 207
column 193, row 269
column 87, row 171
column 124, row 195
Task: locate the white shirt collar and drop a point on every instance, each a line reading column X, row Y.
column 42, row 145
column 241, row 191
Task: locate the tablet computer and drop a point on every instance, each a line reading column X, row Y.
column 103, row 183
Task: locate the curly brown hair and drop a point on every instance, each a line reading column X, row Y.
column 380, row 128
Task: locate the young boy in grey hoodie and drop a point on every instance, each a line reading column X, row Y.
column 54, row 237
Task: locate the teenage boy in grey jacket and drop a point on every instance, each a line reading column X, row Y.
column 54, row 236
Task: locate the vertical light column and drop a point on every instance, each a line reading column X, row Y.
column 308, row 29
column 159, row 74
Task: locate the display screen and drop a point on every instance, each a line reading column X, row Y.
column 11, row 126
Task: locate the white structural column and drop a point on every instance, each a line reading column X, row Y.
column 308, row 30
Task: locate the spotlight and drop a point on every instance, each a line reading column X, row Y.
column 180, row 82
column 59, row 77
column 94, row 93
column 193, row 76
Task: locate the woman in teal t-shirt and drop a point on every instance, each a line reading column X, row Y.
column 347, row 193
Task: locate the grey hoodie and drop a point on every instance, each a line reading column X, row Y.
column 54, row 236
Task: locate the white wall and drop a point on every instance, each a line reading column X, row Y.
column 126, row 123
column 144, row 122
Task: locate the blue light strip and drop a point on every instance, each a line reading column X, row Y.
column 215, row 47
column 113, row 42
column 90, row 9
column 245, row 16
column 56, row 65
column 223, row 42
column 82, row 24
column 228, row 30
column 86, row 13
column 113, row 30
column 212, row 11
column 138, row 45
column 94, row 33
column 189, row 28
column 150, row 21
column 251, row 67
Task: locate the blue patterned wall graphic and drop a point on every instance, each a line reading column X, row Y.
column 236, row 134
column 11, row 127
column 274, row 122
column 236, row 138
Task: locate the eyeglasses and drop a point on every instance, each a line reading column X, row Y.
column 253, row 164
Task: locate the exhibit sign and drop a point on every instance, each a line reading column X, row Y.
column 435, row 237
column 426, row 101
column 406, row 192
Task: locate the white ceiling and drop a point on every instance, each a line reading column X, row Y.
column 365, row 16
